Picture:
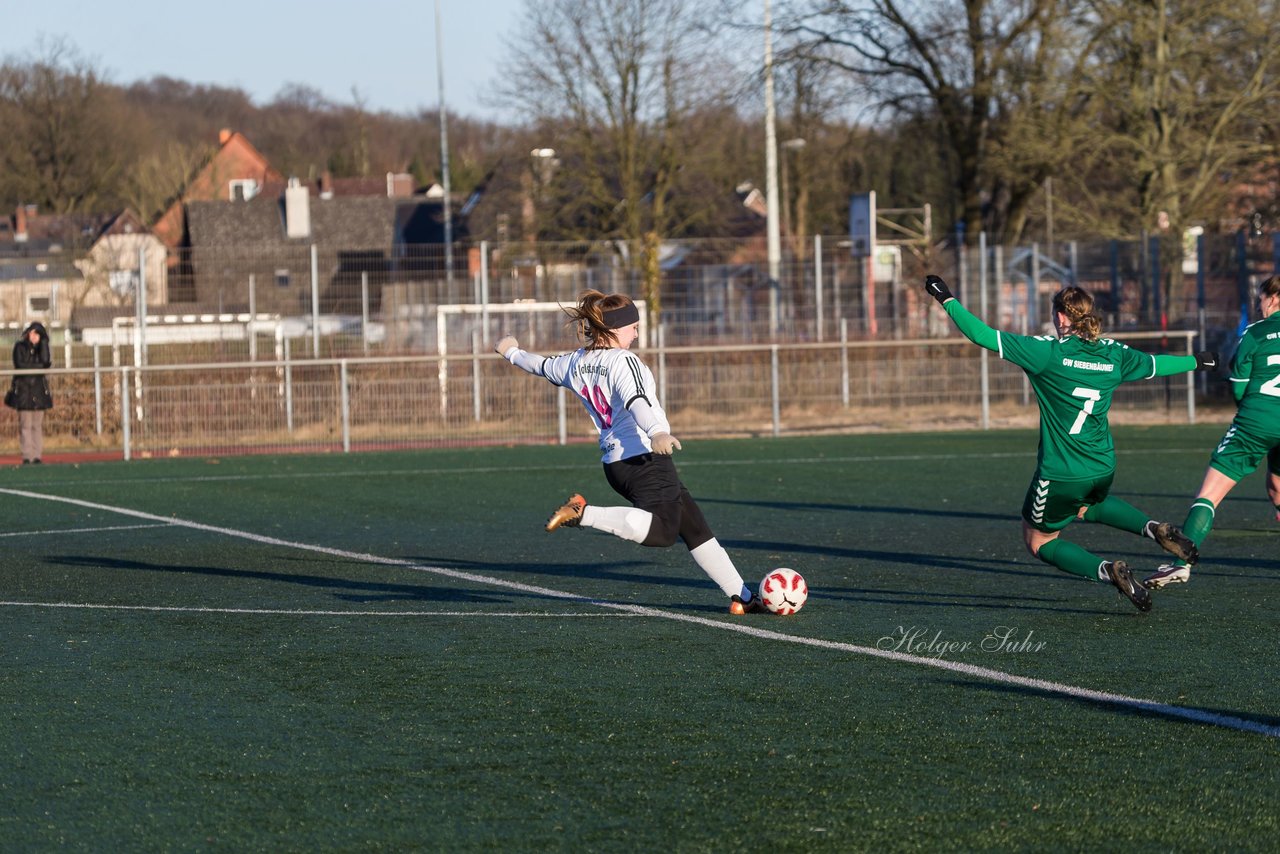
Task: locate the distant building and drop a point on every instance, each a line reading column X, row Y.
column 53, row 264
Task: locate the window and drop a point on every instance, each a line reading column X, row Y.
column 38, row 304
column 123, row 282
column 282, row 278
column 243, row 189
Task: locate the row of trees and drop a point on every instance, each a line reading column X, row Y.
column 1023, row 119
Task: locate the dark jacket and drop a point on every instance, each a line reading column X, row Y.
column 32, row 391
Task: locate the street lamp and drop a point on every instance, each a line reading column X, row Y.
column 794, row 144
column 543, row 161
column 773, row 241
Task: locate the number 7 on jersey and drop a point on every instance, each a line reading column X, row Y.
column 1091, row 396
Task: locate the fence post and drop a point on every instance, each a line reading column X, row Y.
column 982, row 302
column 777, row 413
column 1191, row 380
column 288, row 388
column 97, row 388
column 475, row 374
column 562, row 416
column 364, row 310
column 124, row 413
column 844, row 361
column 250, row 330
column 817, row 285
column 315, row 302
column 345, row 395
column 662, row 361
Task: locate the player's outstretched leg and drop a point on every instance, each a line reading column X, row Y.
column 1124, row 581
column 569, row 514
column 1197, row 527
column 1168, row 573
column 1171, row 539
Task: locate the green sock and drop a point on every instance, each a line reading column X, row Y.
column 1115, row 513
column 1069, row 557
column 1199, row 523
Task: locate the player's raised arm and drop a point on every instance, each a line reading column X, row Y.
column 970, row 327
column 531, row 363
column 1168, row 365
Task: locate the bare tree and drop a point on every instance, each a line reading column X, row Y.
column 1190, row 89
column 611, row 83
column 996, row 75
column 67, row 135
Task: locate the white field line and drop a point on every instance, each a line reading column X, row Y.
column 298, row 612
column 986, row 673
column 80, row 530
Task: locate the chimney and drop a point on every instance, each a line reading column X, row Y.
column 326, row 185
column 224, row 136
column 20, row 224
column 399, row 185
column 297, row 210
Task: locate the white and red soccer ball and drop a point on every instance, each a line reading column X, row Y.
column 783, row 591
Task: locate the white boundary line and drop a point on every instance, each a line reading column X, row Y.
column 80, row 530
column 1105, row 697
column 298, row 612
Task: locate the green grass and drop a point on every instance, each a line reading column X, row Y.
column 284, row 684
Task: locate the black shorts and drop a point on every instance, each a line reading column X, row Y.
column 650, row 482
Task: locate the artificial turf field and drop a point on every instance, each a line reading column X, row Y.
column 386, row 651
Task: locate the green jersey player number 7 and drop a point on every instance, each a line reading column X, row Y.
column 1074, row 373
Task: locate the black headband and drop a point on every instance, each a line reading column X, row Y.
column 616, row 318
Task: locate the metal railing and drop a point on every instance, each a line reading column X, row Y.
column 383, row 403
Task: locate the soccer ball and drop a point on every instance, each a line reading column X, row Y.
column 783, row 591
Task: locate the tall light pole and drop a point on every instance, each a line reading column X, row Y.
column 788, row 145
column 444, row 152
column 771, row 174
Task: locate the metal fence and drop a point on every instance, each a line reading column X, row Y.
column 330, row 302
column 394, row 402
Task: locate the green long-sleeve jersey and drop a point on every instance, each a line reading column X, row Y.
column 1073, row 381
column 1255, row 376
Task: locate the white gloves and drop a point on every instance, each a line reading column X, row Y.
column 665, row 444
column 504, row 345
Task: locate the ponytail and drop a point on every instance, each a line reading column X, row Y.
column 597, row 315
column 1077, row 305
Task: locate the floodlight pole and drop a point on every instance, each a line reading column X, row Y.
column 444, row 152
column 771, row 174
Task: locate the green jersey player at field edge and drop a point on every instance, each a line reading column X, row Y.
column 1254, row 432
column 1074, row 375
column 636, row 444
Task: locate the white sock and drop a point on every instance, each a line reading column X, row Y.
column 715, row 562
column 630, row 523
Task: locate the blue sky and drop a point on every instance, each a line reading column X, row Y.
column 383, row 48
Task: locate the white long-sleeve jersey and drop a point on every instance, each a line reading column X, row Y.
column 614, row 386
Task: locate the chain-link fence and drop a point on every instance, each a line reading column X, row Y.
column 290, row 348
column 332, row 301
column 477, row 398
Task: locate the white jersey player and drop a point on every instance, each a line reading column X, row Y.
column 636, row 444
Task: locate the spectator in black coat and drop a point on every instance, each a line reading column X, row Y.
column 31, row 391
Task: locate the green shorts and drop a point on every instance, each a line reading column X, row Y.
column 1240, row 452
column 1051, row 505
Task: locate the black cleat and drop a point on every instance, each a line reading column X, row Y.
column 1122, row 578
column 754, row 605
column 1176, row 543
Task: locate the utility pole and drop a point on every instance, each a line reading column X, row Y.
column 771, row 174
column 444, row 152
